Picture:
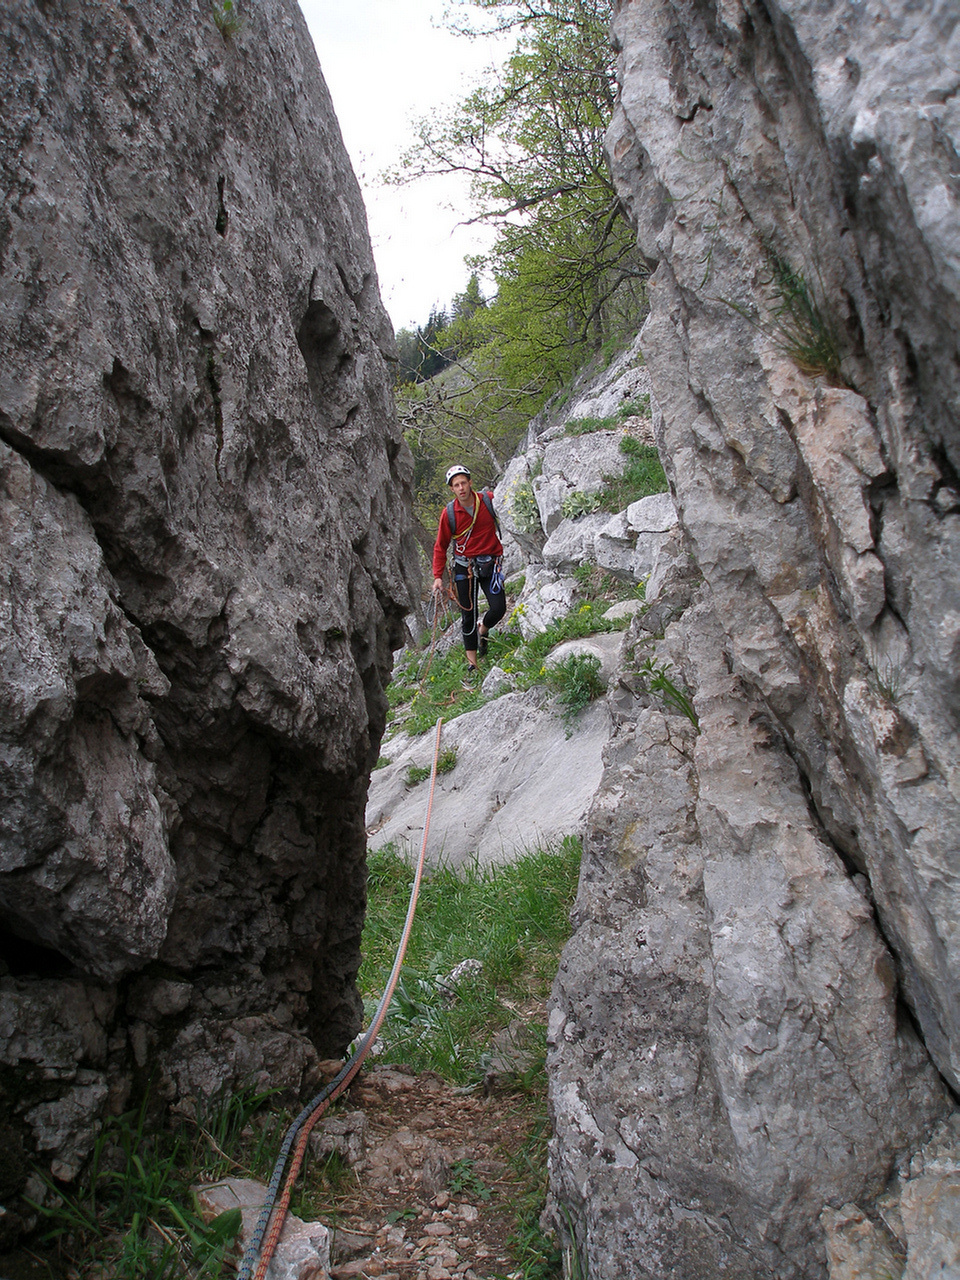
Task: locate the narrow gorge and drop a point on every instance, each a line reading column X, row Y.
column 208, row 558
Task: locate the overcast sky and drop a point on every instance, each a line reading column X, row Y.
column 388, row 62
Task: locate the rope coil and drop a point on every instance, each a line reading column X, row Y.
column 274, row 1211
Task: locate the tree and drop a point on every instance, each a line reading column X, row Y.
column 567, row 271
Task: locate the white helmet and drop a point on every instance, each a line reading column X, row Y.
column 458, row 470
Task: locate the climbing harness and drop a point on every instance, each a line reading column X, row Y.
column 274, row 1211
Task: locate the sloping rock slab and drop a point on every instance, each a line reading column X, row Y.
column 519, row 782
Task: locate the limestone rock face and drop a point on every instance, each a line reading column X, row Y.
column 761, row 905
column 205, row 556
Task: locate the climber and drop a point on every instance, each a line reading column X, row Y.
column 470, row 522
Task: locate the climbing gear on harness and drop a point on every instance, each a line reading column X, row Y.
column 311, row 1113
column 457, row 470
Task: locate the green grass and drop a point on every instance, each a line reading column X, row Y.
column 585, row 426
column 642, row 477
column 802, row 330
column 418, row 697
column 226, row 14
column 446, row 761
column 576, row 682
column 513, row 918
column 133, row 1216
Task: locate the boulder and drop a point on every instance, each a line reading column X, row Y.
column 206, row 558
column 519, row 782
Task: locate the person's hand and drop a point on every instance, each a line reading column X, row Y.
column 438, row 586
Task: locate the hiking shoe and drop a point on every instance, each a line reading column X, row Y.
column 481, row 644
column 472, row 679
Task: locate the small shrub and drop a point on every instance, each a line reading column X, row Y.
column 579, row 503
column 576, row 680
column 523, row 505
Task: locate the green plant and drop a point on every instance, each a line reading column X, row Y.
column 446, row 761
column 801, row 329
column 639, row 408
column 641, row 477
column 463, row 1181
column 538, row 1254
column 134, row 1218
column 584, row 574
column 585, row 426
column 579, row 503
column 888, row 679
column 523, row 505
column 226, row 14
column 576, row 681
column 670, row 694
column 575, row 1264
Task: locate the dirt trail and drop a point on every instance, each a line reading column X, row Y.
column 430, row 1193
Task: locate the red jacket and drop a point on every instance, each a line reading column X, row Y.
column 483, row 540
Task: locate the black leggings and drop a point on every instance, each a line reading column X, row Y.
column 468, row 593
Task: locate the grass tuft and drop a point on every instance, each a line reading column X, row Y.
column 133, row 1217
column 513, row 919
column 576, row 681
column 801, row 329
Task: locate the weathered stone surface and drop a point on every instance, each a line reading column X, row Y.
column 519, row 782
column 823, row 512
column 205, row 555
column 303, row 1250
column 744, row 1063
column 572, row 542
column 858, row 1249
column 574, row 464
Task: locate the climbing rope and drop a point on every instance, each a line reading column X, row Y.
column 436, row 607
column 274, row 1211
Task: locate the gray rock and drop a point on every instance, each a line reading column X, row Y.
column 623, row 609
column 206, row 552
column 519, row 783
column 573, row 542
column 303, row 1250
column 728, row 1058
column 575, row 464
column 545, row 598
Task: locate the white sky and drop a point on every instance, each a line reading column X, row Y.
column 388, row 63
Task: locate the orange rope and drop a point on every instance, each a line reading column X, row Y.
column 283, row 1203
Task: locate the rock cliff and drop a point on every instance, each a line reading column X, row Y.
column 205, row 560
column 757, row 1017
